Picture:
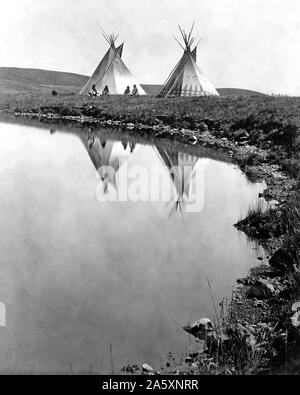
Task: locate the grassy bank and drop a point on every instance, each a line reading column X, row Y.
column 278, row 229
column 261, row 134
column 262, row 120
column 271, row 124
column 238, row 112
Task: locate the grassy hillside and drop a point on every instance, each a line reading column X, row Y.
column 18, row 80
column 238, row 92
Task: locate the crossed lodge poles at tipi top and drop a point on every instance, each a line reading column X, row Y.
column 112, row 72
column 187, row 79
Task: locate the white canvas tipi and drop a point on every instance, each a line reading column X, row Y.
column 112, row 72
column 187, row 79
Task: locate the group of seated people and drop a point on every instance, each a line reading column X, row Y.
column 135, row 91
column 93, row 91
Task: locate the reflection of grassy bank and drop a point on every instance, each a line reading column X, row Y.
column 118, row 134
column 272, row 118
column 262, row 135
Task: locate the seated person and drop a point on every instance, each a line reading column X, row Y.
column 105, row 90
column 127, row 91
column 93, row 91
column 135, row 91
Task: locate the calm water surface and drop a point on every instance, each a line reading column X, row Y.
column 78, row 274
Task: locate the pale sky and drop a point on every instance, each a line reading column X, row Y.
column 251, row 44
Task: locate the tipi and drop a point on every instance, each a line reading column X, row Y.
column 112, row 72
column 187, row 79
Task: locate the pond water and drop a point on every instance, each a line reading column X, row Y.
column 83, row 270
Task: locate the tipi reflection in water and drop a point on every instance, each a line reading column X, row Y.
column 108, row 157
column 180, row 179
column 181, row 168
